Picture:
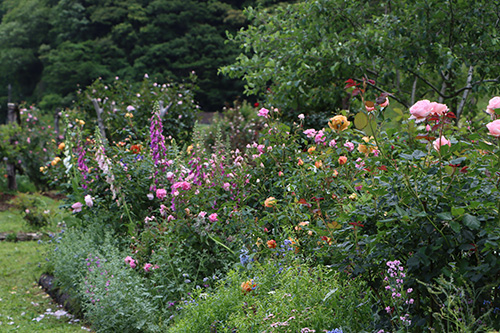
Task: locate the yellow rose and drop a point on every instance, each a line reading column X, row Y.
column 339, row 123
column 311, row 149
column 270, row 202
column 363, row 149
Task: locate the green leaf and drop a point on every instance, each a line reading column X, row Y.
column 445, row 216
column 457, row 211
column 418, row 154
column 361, row 120
column 455, row 226
column 471, row 221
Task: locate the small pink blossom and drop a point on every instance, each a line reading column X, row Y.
column 226, row 186
column 147, row 267
column 440, row 142
column 161, row 193
column 163, row 210
column 332, row 143
column 88, row 200
column 130, row 108
column 77, row 207
column 385, row 103
column 130, row 262
column 320, row 137
column 213, row 217
column 202, row 214
column 310, row 133
column 170, row 218
column 263, row 113
column 301, row 116
column 349, row 146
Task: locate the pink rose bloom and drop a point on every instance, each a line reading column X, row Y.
column 385, row 104
column 319, row 138
column 170, row 176
column 349, row 146
column 147, row 267
column 440, row 142
column 213, row 217
column 437, row 109
column 161, row 193
column 369, row 108
column 182, row 185
column 202, row 214
column 226, row 186
column 494, row 128
column 301, row 116
column 130, row 261
column 493, row 105
column 77, row 207
column 310, row 133
column 260, row 148
column 88, row 200
column 420, row 110
column 332, row 143
column 130, row 108
column 170, row 218
column 263, row 113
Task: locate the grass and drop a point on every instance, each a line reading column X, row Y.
column 24, row 306
column 21, row 299
column 12, row 220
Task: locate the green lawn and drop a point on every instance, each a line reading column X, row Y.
column 21, row 299
column 24, row 306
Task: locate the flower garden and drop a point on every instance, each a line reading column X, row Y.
column 254, row 224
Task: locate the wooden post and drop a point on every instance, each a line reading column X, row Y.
column 57, row 116
column 12, row 117
column 163, row 110
column 99, row 112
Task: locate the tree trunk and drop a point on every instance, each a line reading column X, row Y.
column 12, row 117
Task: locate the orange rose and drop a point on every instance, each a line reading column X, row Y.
column 247, row 286
column 271, row 244
column 342, row 160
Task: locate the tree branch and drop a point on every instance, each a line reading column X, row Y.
column 467, row 90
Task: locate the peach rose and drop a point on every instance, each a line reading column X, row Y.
column 270, row 202
column 271, row 244
column 420, row 110
column 338, row 123
column 494, row 128
column 440, row 142
column 493, row 105
column 342, row 160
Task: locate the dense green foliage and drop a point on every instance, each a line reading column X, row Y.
column 299, row 56
column 48, row 47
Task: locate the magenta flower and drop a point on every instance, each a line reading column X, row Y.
column 161, row 193
column 263, row 113
column 130, row 261
column 213, row 217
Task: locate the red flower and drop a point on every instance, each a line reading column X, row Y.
column 136, row 149
column 256, row 104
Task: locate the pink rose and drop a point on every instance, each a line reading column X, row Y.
column 494, row 128
column 310, row 133
column 130, row 261
column 438, row 109
column 440, row 142
column 226, row 186
column 263, row 113
column 77, row 207
column 202, row 214
column 213, row 217
column 493, row 105
column 147, row 267
column 420, row 110
column 161, row 193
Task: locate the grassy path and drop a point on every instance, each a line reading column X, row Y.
column 24, row 306
column 22, row 302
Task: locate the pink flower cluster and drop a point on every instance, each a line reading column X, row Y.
column 424, row 108
column 130, row 261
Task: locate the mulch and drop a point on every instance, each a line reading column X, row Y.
column 4, row 199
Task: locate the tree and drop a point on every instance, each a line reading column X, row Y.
column 299, row 56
